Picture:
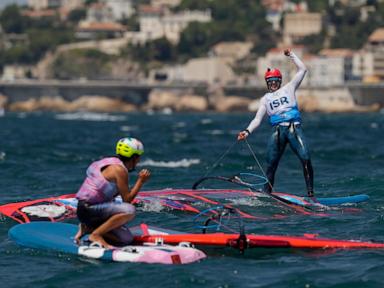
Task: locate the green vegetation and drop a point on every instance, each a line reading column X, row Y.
column 158, row 50
column 76, row 15
column 314, row 43
column 12, row 21
column 243, row 20
column 351, row 32
column 318, row 5
column 233, row 20
column 41, row 35
column 76, row 64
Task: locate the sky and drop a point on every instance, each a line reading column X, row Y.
column 4, row 3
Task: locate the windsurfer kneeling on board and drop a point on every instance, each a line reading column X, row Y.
column 281, row 106
column 107, row 178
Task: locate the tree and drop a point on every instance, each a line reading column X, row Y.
column 351, row 32
column 12, row 21
column 314, row 43
column 89, row 63
column 76, row 15
column 233, row 20
column 195, row 39
column 194, row 5
column 318, row 5
column 163, row 50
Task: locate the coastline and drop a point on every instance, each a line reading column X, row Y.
column 124, row 96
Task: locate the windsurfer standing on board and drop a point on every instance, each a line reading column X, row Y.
column 281, row 106
column 106, row 179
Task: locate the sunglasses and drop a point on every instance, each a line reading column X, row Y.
column 276, row 79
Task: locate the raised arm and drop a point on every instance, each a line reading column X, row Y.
column 301, row 68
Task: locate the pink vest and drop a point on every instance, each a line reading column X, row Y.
column 95, row 188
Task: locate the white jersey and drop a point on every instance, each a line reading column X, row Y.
column 281, row 105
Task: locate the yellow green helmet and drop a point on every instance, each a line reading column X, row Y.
column 128, row 147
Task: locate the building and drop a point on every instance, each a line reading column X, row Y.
column 275, row 9
column 44, row 4
column 120, row 9
column 39, row 13
column 150, row 21
column 299, row 25
column 274, row 12
column 14, row 72
column 165, row 3
column 347, row 55
column 324, row 71
column 97, row 30
column 99, row 12
column 52, row 4
column 375, row 45
column 72, row 4
column 156, row 23
column 362, row 64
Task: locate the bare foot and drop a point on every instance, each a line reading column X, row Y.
column 83, row 229
column 97, row 238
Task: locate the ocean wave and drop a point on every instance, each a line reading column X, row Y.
column 129, row 128
column 153, row 206
column 90, row 116
column 215, row 132
column 183, row 163
column 179, row 125
column 2, row 155
column 206, row 121
column 374, row 125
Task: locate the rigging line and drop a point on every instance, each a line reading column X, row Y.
column 219, row 159
column 218, row 221
column 280, row 199
column 258, row 163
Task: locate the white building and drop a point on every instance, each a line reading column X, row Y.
column 324, row 71
column 120, row 9
column 72, row 4
column 165, row 3
column 375, row 45
column 95, row 30
column 157, row 22
column 347, row 55
column 99, row 12
column 362, row 64
column 43, row 4
column 13, row 72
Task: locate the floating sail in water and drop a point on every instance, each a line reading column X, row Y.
column 56, row 209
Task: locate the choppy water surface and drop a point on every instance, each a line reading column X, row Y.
column 46, row 154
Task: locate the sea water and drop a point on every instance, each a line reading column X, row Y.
column 46, row 154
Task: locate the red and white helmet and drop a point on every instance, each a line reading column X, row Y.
column 272, row 73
